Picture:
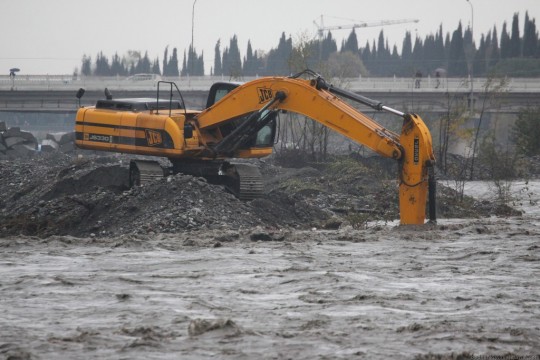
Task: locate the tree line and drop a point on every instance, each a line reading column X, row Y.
column 453, row 54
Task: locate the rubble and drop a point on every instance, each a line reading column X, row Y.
column 15, row 143
column 54, row 193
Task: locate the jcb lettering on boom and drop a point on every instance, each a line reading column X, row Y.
column 265, row 95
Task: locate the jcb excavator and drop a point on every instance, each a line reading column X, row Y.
column 240, row 122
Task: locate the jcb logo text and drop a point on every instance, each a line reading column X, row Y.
column 153, row 137
column 265, row 95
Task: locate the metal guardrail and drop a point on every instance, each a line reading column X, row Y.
column 203, row 83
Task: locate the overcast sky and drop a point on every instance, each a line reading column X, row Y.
column 51, row 36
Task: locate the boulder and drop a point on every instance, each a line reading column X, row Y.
column 67, row 147
column 49, row 145
column 13, row 132
column 22, row 150
column 29, row 137
column 61, row 138
column 12, row 141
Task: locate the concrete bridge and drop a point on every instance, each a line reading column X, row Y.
column 56, row 93
column 49, row 102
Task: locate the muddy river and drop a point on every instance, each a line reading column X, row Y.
column 465, row 287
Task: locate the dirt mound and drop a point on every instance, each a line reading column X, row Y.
column 55, row 194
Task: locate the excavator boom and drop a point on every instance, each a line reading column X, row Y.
column 317, row 100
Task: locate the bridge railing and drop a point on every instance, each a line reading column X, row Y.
column 203, row 83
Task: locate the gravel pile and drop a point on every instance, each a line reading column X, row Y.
column 60, row 194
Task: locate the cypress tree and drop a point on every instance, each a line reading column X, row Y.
column 249, row 61
column 530, row 38
column 155, row 67
column 406, row 54
column 184, row 71
column 329, row 47
column 165, row 65
column 173, row 64
column 235, row 62
column 200, row 65
column 351, row 44
column 102, row 65
column 278, row 59
column 439, row 53
column 495, row 51
column 225, row 61
column 217, row 59
column 116, row 66
column 428, row 59
column 505, row 43
column 144, row 64
column 469, row 49
column 418, row 55
column 86, row 67
column 366, row 56
column 457, row 66
column 515, row 40
column 481, row 57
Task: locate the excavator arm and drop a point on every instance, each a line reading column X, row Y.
column 319, row 101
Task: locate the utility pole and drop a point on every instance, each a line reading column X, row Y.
column 472, row 61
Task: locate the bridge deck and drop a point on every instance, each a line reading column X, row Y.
column 35, row 93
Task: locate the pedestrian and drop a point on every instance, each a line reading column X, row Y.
column 418, row 79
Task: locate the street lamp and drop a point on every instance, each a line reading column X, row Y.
column 472, row 52
column 192, row 51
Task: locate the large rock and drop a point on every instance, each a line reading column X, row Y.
column 13, row 132
column 14, row 136
column 20, row 150
column 30, row 138
column 12, row 141
column 49, row 145
column 67, row 147
column 61, row 137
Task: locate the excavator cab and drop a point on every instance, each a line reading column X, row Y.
column 262, row 138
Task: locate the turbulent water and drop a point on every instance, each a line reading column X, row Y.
column 466, row 287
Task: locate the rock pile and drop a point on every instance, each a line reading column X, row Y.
column 60, row 141
column 15, row 143
column 53, row 193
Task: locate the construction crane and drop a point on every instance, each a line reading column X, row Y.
column 321, row 28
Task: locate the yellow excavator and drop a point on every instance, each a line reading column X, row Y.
column 239, row 121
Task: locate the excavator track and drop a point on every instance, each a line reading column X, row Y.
column 247, row 182
column 243, row 180
column 142, row 172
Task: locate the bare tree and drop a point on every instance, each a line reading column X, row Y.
column 493, row 88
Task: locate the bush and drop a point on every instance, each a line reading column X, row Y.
column 526, row 132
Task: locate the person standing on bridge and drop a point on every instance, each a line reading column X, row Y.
column 438, row 77
column 418, row 79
